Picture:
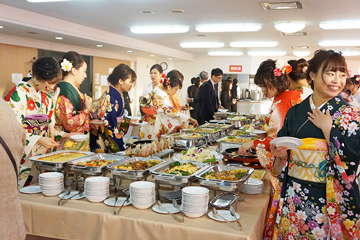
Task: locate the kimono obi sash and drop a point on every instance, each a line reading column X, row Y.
column 309, row 162
column 36, row 123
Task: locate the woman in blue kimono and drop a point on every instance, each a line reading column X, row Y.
column 109, row 109
column 319, row 196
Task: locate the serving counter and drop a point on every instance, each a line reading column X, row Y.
column 81, row 219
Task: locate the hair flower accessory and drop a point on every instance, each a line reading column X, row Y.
column 167, row 81
column 281, row 67
column 357, row 77
column 66, row 65
column 163, row 76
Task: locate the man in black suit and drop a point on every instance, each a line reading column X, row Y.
column 208, row 95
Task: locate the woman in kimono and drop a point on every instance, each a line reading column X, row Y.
column 34, row 109
column 72, row 110
column 319, row 197
column 297, row 77
column 167, row 118
column 109, row 109
column 156, row 74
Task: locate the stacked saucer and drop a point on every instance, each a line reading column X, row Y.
column 252, row 186
column 142, row 194
column 195, row 201
column 51, row 183
column 97, row 188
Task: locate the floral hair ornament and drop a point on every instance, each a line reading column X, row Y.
column 66, row 65
column 163, row 76
column 167, row 81
column 357, row 78
column 281, row 67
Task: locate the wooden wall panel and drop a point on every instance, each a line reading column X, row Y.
column 101, row 66
column 14, row 59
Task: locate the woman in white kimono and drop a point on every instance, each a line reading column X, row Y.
column 159, row 113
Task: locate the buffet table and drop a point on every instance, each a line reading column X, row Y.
column 81, row 219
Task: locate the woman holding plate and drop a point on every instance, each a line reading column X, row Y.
column 72, row 110
column 167, row 118
column 109, row 109
column 318, row 193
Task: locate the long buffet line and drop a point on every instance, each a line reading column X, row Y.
column 223, row 170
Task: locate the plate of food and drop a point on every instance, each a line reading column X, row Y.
column 289, row 142
column 199, row 155
column 222, row 110
column 255, row 131
column 191, row 136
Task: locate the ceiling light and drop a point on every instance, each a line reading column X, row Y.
column 301, row 53
column 350, row 53
column 340, row 25
column 129, row 51
column 152, row 55
column 59, row 38
column 254, row 44
column 169, row 58
column 202, row 44
column 99, row 45
column 1, row 26
column 339, row 43
column 282, row 5
column 225, row 53
column 266, row 53
column 159, row 29
column 37, row 1
column 289, row 27
column 241, row 27
column 177, row 11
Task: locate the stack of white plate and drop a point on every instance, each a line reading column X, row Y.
column 142, row 194
column 252, row 186
column 97, row 188
column 51, row 183
column 194, row 202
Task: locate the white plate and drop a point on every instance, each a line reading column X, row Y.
column 110, row 202
column 30, row 189
column 79, row 137
column 121, row 153
column 140, row 124
column 134, row 117
column 256, row 131
column 167, row 206
column 224, row 213
column 289, row 142
column 222, row 110
column 96, row 122
column 72, row 195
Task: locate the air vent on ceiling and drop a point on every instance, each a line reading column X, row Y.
column 282, row 5
column 177, row 11
column 146, row 12
column 32, row 33
column 300, row 47
column 295, row 34
column 200, row 35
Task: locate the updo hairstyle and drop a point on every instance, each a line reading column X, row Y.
column 266, row 78
column 47, row 69
column 299, row 68
column 121, row 71
column 172, row 80
column 76, row 60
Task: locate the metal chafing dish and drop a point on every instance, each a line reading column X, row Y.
column 133, row 174
column 223, row 144
column 180, row 143
column 43, row 165
column 223, row 185
column 225, row 129
column 210, row 134
column 93, row 170
column 161, row 177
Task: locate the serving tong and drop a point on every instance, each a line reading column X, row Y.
column 177, row 218
column 68, row 183
column 216, row 214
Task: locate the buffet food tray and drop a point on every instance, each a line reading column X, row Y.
column 58, row 165
column 93, row 170
column 178, row 156
column 161, row 177
column 223, row 185
column 223, row 144
column 183, row 144
column 133, row 174
column 210, row 134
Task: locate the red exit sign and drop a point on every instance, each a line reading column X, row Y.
column 235, row 68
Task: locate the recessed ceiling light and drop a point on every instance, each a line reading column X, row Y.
column 289, row 27
column 202, row 44
column 239, row 27
column 225, row 53
column 301, row 53
column 99, row 45
column 169, row 58
column 129, row 51
column 339, row 43
column 152, row 55
column 340, row 25
column 266, row 53
column 177, row 11
column 282, row 5
column 254, row 44
column 350, row 53
column 58, row 38
column 1, row 26
column 159, row 29
column 37, row 1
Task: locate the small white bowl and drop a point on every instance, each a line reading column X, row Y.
column 79, row 137
column 194, row 190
